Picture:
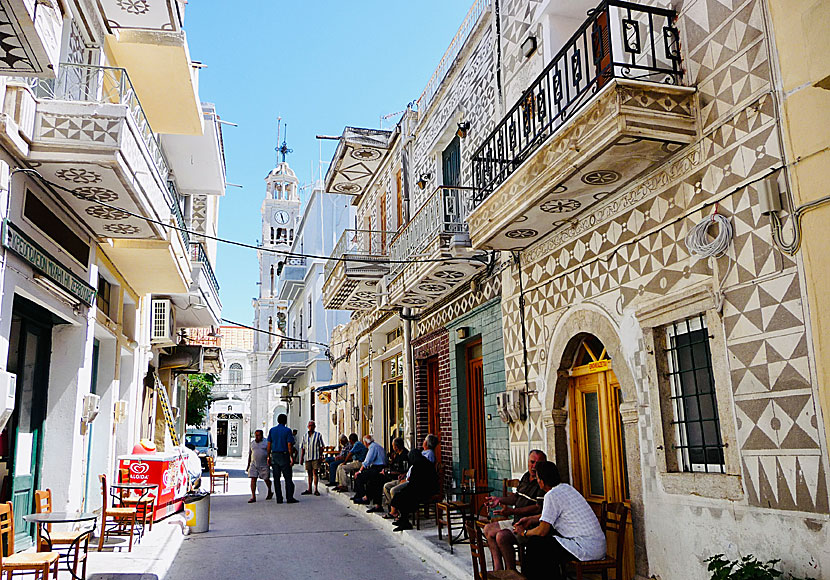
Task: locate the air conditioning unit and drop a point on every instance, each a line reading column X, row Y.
column 501, row 406
column 8, row 388
column 285, row 392
column 515, row 405
column 382, row 295
column 511, row 406
column 163, row 331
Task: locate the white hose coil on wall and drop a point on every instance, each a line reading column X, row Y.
column 701, row 245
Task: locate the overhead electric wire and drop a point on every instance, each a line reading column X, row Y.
column 368, row 260
column 268, row 332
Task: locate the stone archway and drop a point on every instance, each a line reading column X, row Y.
column 569, row 332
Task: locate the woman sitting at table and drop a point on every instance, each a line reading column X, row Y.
column 566, row 530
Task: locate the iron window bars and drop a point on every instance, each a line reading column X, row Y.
column 696, row 423
column 618, row 40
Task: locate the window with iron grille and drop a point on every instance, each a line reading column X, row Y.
column 697, row 432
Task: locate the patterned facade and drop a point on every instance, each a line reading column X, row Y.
column 613, row 263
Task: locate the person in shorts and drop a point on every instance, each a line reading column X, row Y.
column 258, row 464
column 525, row 501
column 311, row 454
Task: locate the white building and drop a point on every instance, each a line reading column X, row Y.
column 96, row 272
column 301, row 361
column 280, row 210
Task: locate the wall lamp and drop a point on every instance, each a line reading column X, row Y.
column 463, row 127
column 423, row 179
column 529, row 46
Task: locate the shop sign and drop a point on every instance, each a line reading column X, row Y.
column 29, row 250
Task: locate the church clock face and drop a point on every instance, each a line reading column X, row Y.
column 281, row 217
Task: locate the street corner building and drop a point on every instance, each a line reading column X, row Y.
column 111, row 172
column 598, row 232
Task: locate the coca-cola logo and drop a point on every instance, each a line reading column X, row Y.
column 139, row 468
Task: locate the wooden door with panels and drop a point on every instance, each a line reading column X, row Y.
column 597, row 438
column 476, row 430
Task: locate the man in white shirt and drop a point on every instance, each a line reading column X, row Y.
column 311, row 453
column 567, row 528
column 258, row 464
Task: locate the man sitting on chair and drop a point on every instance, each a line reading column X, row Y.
column 566, row 530
column 525, row 501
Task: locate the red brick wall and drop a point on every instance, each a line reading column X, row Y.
column 434, row 344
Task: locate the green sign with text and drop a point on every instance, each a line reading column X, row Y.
column 29, row 250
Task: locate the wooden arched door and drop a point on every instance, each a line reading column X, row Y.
column 597, row 439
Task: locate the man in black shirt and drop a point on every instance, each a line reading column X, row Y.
column 525, row 501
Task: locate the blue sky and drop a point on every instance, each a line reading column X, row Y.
column 318, row 64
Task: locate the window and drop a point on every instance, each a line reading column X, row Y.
column 394, row 335
column 696, row 423
column 103, row 297
column 309, row 312
column 54, row 227
column 235, row 373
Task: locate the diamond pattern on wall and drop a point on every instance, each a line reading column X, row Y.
column 103, row 130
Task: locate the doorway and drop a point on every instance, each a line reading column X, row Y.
column 476, row 431
column 393, row 398
column 433, row 407
column 600, row 472
column 222, row 437
column 365, row 420
column 30, row 345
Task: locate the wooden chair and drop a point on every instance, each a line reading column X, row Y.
column 38, row 563
column 429, row 505
column 454, row 513
column 508, row 486
column 145, row 506
column 68, row 539
column 479, row 558
column 614, row 518
column 122, row 520
column 217, row 477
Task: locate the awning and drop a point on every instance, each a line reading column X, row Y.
column 329, row 387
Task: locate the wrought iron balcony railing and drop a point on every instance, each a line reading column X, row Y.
column 618, row 40
column 442, row 213
column 197, row 254
column 292, row 345
column 107, row 85
column 295, row 261
column 365, row 245
column 175, row 201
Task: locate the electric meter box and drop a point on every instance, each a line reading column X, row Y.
column 8, row 388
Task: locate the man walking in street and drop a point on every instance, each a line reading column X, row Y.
column 280, row 448
column 311, row 453
column 258, row 464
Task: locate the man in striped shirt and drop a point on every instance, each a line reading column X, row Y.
column 311, row 454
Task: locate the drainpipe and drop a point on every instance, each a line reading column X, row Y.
column 410, row 370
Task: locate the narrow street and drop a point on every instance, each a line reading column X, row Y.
column 316, row 538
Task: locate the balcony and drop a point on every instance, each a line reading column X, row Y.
column 149, row 42
column 288, row 361
column 292, row 278
column 427, row 237
column 358, row 262
column 198, row 161
column 358, row 156
column 91, row 136
column 223, row 390
column 32, row 31
column 607, row 109
column 203, row 308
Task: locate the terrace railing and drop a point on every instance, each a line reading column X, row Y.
column 444, row 212
column 108, row 85
column 618, row 40
column 464, row 31
column 365, row 245
column 197, row 254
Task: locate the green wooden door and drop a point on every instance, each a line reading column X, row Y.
column 29, row 360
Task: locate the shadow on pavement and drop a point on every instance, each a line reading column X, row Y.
column 125, row 576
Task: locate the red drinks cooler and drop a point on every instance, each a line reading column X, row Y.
column 166, row 470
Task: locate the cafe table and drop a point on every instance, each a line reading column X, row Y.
column 44, row 522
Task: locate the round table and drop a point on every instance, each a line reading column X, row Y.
column 462, row 492
column 45, row 519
